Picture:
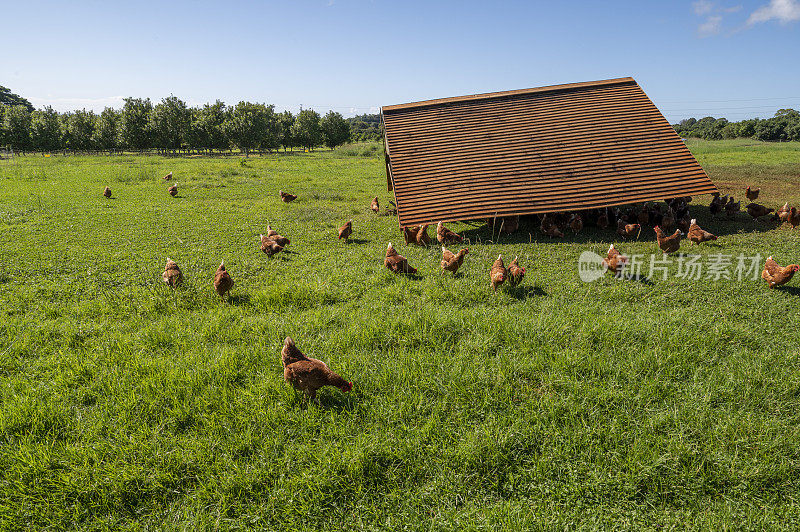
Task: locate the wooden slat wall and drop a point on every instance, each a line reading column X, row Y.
column 551, row 149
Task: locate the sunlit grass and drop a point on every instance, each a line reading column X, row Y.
column 559, row 404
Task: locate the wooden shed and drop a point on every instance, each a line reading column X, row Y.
column 548, row 149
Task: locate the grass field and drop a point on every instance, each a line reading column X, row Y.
column 664, row 404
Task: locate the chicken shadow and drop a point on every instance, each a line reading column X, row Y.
column 358, row 241
column 525, row 292
column 239, row 300
column 793, row 290
column 331, row 401
column 635, row 278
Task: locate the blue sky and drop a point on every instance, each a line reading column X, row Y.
column 733, row 59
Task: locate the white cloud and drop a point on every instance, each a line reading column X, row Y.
column 713, row 14
column 783, row 11
column 703, row 7
column 711, row 26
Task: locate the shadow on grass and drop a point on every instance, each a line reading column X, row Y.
column 358, row 241
column 330, row 400
column 636, row 279
column 793, row 290
column 239, row 300
column 525, row 292
column 529, row 232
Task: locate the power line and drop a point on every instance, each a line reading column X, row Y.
column 734, row 100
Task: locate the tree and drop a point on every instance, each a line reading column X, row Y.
column 768, row 130
column 17, row 124
column 3, row 125
column 206, row 131
column 368, row 127
column 747, row 128
column 794, row 131
column 45, row 129
column 251, row 125
column 789, row 114
column 730, row 131
column 169, row 123
column 106, row 131
column 306, row 130
column 134, row 131
column 271, row 138
column 80, row 130
column 10, row 99
column 335, row 129
column 286, row 121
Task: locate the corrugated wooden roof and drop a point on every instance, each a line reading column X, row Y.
column 548, row 149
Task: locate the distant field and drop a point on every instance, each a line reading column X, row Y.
column 615, row 404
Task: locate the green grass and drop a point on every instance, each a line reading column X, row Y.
column 615, row 404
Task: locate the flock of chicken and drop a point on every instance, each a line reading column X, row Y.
column 677, row 214
column 308, row 375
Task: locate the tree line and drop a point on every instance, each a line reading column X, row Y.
column 171, row 126
column 782, row 127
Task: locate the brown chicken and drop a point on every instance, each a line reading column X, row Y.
column 783, row 212
column 602, row 220
column 794, row 217
column 553, row 231
column 107, row 192
column 446, row 236
column 668, row 244
column 668, row 220
column 684, row 224
column 756, row 211
column 774, row 275
column 397, row 263
column 716, row 205
column 346, row 230
column 615, row 261
column 643, row 216
column 628, row 230
column 576, row 223
column 697, row 235
column 752, row 193
column 376, row 206
column 452, row 262
column 279, row 239
column 286, row 197
column 306, row 374
column 423, row 238
column 509, row 224
column 549, row 227
column 410, row 234
column 167, row 177
column 269, row 246
column 515, row 272
column 173, row 190
column 222, row 281
column 497, row 274
column 172, row 274
column 732, row 208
